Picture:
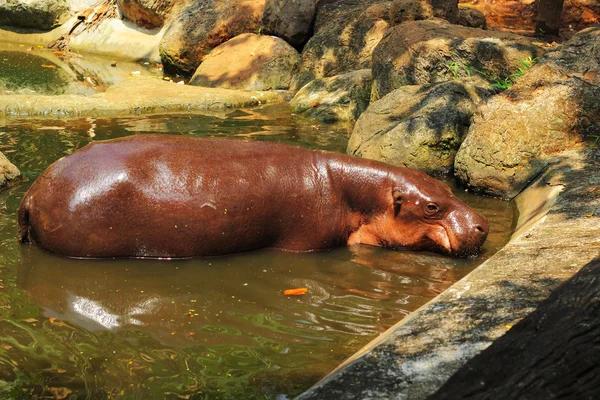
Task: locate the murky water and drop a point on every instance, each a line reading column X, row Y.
column 214, row 328
column 26, row 69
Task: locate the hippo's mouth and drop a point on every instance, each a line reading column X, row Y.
column 446, row 243
column 470, row 250
column 467, row 252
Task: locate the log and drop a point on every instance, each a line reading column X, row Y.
column 553, row 353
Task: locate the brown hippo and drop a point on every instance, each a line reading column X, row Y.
column 175, row 196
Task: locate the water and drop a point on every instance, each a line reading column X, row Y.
column 38, row 70
column 214, row 328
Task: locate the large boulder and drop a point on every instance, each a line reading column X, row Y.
column 197, row 27
column 8, row 171
column 147, row 13
column 419, row 126
column 419, row 52
column 338, row 98
column 35, row 14
column 551, row 108
column 249, row 62
column 291, row 20
column 346, row 32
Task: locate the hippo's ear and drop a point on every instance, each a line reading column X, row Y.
column 398, row 199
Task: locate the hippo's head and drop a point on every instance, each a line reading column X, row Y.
column 423, row 214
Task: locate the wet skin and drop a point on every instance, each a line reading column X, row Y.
column 172, row 196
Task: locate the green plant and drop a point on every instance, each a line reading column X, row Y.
column 502, row 84
column 507, row 82
column 455, row 67
column 499, row 83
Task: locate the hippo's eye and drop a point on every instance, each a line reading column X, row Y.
column 432, row 208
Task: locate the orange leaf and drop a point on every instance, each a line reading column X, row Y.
column 48, row 66
column 316, row 104
column 295, row 292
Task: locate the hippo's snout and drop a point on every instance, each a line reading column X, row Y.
column 471, row 237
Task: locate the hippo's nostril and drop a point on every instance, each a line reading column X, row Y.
column 480, row 229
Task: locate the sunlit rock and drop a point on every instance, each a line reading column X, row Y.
column 249, row 62
column 197, row 27
column 553, row 107
column 8, row 171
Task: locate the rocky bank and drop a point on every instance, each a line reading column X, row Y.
column 427, row 84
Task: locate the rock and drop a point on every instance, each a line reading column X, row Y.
column 346, row 32
column 445, row 9
column 197, row 27
column 8, row 171
column 471, row 17
column 553, row 107
column 249, row 62
column 291, row 20
column 36, row 14
column 419, row 126
column 410, row 10
column 338, row 98
column 147, row 13
column 135, row 96
column 419, row 52
column 551, row 351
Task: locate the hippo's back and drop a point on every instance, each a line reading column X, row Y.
column 162, row 196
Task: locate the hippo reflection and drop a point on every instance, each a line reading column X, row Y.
column 236, row 298
column 172, row 196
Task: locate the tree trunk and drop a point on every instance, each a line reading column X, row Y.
column 553, row 353
column 548, row 16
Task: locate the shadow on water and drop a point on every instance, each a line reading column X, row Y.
column 217, row 328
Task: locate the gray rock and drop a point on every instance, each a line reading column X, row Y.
column 147, row 13
column 338, row 98
column 553, row 107
column 419, row 52
column 36, row 14
column 346, row 32
column 471, row 17
column 248, row 62
column 8, row 171
column 291, row 20
column 419, row 126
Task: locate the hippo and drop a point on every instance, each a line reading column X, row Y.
column 167, row 196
